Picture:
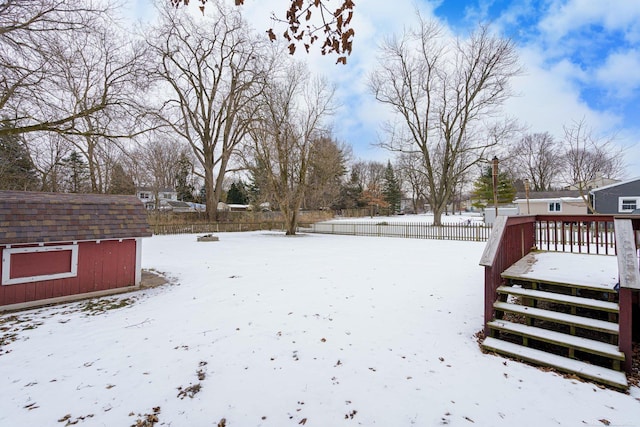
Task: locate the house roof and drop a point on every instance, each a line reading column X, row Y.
column 615, row 185
column 177, row 204
column 31, row 217
column 535, row 195
column 153, row 190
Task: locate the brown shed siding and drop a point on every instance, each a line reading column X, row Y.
column 102, row 266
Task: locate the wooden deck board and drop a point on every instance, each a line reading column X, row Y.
column 554, row 316
column 607, row 306
column 588, row 271
column 553, row 337
column 597, row 373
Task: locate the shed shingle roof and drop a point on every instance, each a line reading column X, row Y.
column 31, row 217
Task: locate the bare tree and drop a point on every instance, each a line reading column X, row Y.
column 156, row 163
column 412, row 174
column 212, row 69
column 370, row 173
column 446, row 96
column 29, row 71
column 538, row 158
column 288, row 135
column 587, row 157
column 102, row 64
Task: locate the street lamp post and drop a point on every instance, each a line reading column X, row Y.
column 494, row 164
column 526, row 192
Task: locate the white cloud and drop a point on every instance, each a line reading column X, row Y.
column 564, row 16
column 620, row 73
column 549, row 98
column 550, row 91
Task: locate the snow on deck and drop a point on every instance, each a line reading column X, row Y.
column 585, row 270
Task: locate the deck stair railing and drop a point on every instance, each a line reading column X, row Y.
column 568, row 326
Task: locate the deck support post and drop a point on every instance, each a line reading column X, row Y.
column 625, row 334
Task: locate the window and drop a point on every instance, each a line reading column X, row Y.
column 144, row 195
column 628, row 204
column 555, row 207
column 35, row 264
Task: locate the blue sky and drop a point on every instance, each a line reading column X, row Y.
column 581, row 61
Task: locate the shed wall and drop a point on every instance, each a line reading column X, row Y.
column 103, row 265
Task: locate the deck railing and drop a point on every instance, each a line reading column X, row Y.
column 514, row 237
column 511, row 239
column 576, row 233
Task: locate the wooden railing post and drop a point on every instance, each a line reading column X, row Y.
column 629, row 275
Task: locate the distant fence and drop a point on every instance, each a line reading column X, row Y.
column 215, row 227
column 412, row 230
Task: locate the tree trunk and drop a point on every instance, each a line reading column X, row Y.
column 438, row 210
column 291, row 222
column 210, row 197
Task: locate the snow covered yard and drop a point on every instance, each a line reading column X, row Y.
column 266, row 330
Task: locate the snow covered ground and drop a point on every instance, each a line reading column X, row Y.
column 266, row 330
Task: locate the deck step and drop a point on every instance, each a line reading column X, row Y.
column 593, row 372
column 554, row 316
column 565, row 340
column 607, row 306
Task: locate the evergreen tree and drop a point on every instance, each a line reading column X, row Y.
column 259, row 189
column 77, row 173
column 391, row 189
column 121, row 181
column 238, row 194
column 351, row 193
column 17, row 171
column 483, row 189
column 184, row 188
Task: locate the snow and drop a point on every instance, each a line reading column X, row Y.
column 596, row 271
column 334, row 330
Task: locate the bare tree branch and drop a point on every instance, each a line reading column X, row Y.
column 446, row 97
column 213, row 70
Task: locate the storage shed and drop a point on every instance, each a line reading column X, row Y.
column 58, row 247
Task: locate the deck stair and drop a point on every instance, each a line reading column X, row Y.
column 551, row 314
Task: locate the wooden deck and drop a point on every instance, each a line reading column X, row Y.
column 597, row 272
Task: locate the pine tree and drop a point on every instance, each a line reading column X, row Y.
column 17, row 171
column 77, row 173
column 121, row 181
column 351, row 193
column 483, row 189
column 184, row 188
column 391, row 189
column 238, row 193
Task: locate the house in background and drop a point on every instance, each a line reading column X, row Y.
column 147, row 196
column 58, row 247
column 566, row 202
column 619, row 198
column 597, row 182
